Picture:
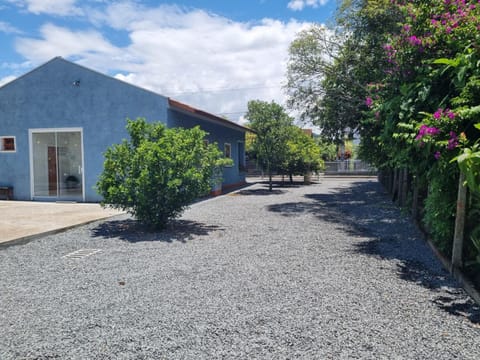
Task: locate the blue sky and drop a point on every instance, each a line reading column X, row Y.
column 215, row 55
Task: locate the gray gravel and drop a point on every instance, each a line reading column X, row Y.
column 327, row 271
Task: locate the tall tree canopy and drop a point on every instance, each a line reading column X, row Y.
column 405, row 75
column 271, row 124
column 329, row 69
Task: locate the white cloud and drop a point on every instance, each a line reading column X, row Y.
column 8, row 28
column 53, row 7
column 191, row 55
column 298, row 5
column 59, row 41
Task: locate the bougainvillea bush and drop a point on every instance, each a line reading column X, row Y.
column 424, row 114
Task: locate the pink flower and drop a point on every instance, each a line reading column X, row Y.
column 413, row 40
column 438, row 114
column 437, row 155
column 453, row 141
column 368, row 101
column 426, row 130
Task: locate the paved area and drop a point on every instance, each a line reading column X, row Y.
column 23, row 220
column 327, row 271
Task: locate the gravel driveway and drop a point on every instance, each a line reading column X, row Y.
column 327, row 271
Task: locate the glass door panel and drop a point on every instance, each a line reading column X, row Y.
column 44, row 164
column 69, row 159
column 57, row 165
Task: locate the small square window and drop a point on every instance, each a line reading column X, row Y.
column 228, row 150
column 7, row 143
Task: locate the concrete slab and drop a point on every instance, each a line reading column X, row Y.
column 25, row 220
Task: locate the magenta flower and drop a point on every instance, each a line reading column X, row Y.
column 421, row 132
column 426, row 130
column 413, row 40
column 453, row 141
column 438, row 114
column 437, row 155
column 368, row 101
column 451, row 115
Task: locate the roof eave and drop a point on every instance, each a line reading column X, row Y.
column 179, row 106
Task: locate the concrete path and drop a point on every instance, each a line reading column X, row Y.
column 24, row 220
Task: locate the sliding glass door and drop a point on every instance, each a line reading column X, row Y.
column 57, row 164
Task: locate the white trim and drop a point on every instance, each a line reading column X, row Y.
column 54, row 130
column 44, row 130
column 14, row 144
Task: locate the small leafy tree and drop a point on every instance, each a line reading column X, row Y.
column 303, row 154
column 271, row 124
column 158, row 172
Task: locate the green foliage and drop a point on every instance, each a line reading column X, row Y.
column 272, row 129
column 329, row 71
column 473, row 249
column 303, row 154
column 469, row 163
column 405, row 75
column 158, row 172
column 328, row 150
column 440, row 207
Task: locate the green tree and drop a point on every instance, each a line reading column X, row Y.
column 328, row 150
column 158, row 172
column 329, row 70
column 303, row 154
column 271, row 125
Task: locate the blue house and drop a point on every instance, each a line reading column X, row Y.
column 57, row 120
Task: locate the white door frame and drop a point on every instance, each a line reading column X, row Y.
column 54, row 130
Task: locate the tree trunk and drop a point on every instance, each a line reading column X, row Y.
column 269, row 172
column 391, row 178
column 403, row 186
column 457, row 256
column 395, row 185
column 416, row 192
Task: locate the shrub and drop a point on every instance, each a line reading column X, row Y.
column 158, row 172
column 440, row 207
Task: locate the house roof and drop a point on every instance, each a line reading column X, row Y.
column 179, row 106
column 173, row 104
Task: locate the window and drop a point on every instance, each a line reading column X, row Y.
column 7, row 143
column 227, row 148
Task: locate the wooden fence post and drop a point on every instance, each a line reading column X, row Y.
column 457, row 256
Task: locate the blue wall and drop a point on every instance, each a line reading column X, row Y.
column 217, row 134
column 48, row 98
